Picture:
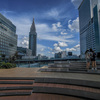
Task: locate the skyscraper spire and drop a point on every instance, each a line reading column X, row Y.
column 33, row 29
column 33, row 38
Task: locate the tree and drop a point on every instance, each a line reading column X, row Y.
column 14, row 57
column 0, row 56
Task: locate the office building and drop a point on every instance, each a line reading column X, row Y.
column 89, row 21
column 70, row 53
column 58, row 55
column 24, row 51
column 33, row 39
column 61, row 54
column 8, row 37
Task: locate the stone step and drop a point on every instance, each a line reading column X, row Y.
column 16, row 81
column 41, row 96
column 17, row 78
column 80, row 91
column 67, row 70
column 58, row 66
column 76, row 68
column 16, row 87
column 61, row 70
column 68, row 81
column 15, row 92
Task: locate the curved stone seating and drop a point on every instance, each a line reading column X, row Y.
column 80, row 88
column 41, row 96
column 60, row 86
column 15, row 87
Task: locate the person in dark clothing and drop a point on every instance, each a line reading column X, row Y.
column 93, row 61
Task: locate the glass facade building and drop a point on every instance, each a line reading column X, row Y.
column 33, row 39
column 89, row 26
column 8, row 37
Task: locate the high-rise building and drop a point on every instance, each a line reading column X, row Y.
column 8, row 37
column 58, row 55
column 70, row 53
column 89, row 21
column 33, row 39
column 61, row 54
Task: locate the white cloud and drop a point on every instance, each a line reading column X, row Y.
column 56, row 38
column 42, row 49
column 74, row 25
column 59, row 24
column 5, row 12
column 52, row 53
column 76, row 3
column 70, row 49
column 77, row 46
column 40, row 46
column 57, row 49
column 43, row 28
column 55, row 45
column 24, row 42
column 56, row 26
column 44, row 32
column 53, row 13
column 63, row 33
column 50, row 48
column 62, row 44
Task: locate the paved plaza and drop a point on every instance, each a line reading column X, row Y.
column 31, row 83
column 34, row 72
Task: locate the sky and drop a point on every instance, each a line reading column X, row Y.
column 56, row 21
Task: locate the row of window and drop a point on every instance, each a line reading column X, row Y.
column 8, row 45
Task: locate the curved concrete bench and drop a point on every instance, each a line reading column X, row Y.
column 86, row 83
column 72, row 87
column 16, row 86
column 67, row 91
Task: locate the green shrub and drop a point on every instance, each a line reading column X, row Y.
column 13, row 65
column 4, row 65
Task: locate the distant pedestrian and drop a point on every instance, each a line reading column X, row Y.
column 93, row 60
column 87, row 56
